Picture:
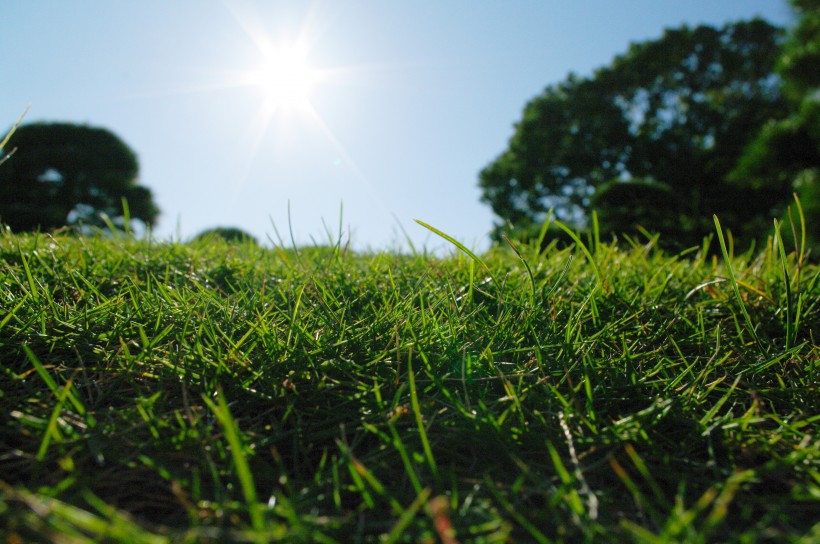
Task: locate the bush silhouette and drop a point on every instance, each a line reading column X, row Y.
column 64, row 174
column 229, row 234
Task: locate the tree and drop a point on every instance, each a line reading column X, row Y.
column 675, row 112
column 619, row 204
column 228, row 234
column 788, row 150
column 68, row 175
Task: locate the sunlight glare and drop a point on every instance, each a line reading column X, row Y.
column 286, row 78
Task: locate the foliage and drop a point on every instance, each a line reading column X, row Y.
column 801, row 55
column 787, row 150
column 620, row 204
column 678, row 110
column 229, row 234
column 224, row 393
column 68, row 175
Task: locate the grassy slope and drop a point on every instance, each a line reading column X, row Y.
column 224, row 392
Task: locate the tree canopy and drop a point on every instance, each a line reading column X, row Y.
column 229, row 234
column 68, row 175
column 671, row 116
column 787, row 150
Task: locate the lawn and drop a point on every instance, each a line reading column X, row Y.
column 210, row 392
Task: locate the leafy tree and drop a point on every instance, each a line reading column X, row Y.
column 65, row 174
column 788, row 150
column 675, row 112
column 229, row 234
column 619, row 204
column 801, row 54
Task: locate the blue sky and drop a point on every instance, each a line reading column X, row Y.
column 410, row 100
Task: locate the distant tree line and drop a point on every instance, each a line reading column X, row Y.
column 701, row 121
column 60, row 175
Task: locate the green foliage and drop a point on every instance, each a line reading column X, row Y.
column 801, row 54
column 807, row 187
column 69, row 175
column 678, row 110
column 216, row 392
column 229, row 234
column 628, row 206
column 786, row 151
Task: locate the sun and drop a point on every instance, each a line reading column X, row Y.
column 285, row 83
column 279, row 69
column 286, row 78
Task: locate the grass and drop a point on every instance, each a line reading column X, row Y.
column 216, row 392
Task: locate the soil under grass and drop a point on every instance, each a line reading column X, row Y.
column 226, row 392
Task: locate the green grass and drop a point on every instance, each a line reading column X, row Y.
column 217, row 392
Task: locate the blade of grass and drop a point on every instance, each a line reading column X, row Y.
column 126, row 216
column 7, row 137
column 108, row 222
column 406, row 517
column 7, row 156
column 407, row 238
column 35, row 291
column 710, row 414
column 559, row 279
column 414, row 403
column 119, row 525
column 537, row 535
column 75, row 523
column 543, row 233
column 721, row 503
column 639, row 463
column 14, row 127
column 459, row 245
column 733, row 281
column 290, row 230
column 243, row 471
column 526, row 265
column 790, row 332
column 601, row 280
column 51, row 428
column 596, row 233
column 13, row 311
column 801, row 245
column 359, row 468
column 641, row 502
column 52, row 385
column 572, row 498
